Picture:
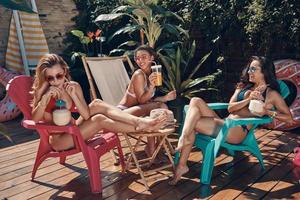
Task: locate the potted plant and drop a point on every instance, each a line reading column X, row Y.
column 180, row 74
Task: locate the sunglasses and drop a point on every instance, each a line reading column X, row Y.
column 252, row 69
column 57, row 77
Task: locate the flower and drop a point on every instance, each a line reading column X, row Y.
column 91, row 42
column 98, row 34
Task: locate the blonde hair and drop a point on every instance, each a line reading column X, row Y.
column 46, row 62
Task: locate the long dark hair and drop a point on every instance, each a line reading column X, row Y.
column 268, row 70
column 147, row 48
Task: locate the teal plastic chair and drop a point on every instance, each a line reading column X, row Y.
column 210, row 146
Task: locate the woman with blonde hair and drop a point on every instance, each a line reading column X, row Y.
column 52, row 81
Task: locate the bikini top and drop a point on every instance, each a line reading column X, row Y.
column 51, row 106
column 146, row 87
column 241, row 95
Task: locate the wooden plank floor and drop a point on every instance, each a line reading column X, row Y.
column 233, row 178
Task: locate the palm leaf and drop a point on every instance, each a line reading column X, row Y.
column 172, row 30
column 123, row 9
column 167, row 83
column 200, row 80
column 126, row 29
column 173, row 14
column 77, row 33
column 108, row 17
column 185, row 83
column 203, row 59
column 116, row 52
column 185, row 32
column 168, row 66
column 178, row 59
column 192, row 93
column 191, row 53
column 153, row 2
column 128, row 43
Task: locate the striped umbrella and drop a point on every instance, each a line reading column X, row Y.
column 26, row 43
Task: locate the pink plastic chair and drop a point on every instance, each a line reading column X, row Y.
column 18, row 89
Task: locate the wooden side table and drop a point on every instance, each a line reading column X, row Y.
column 139, row 163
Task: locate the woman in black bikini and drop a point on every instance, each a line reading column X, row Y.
column 258, row 81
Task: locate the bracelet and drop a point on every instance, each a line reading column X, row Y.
column 274, row 114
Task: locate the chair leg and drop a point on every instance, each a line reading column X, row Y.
column 169, row 155
column 121, row 156
column 171, row 148
column 207, row 164
column 62, row 160
column 93, row 166
column 115, row 158
column 176, row 157
column 254, row 149
column 132, row 150
column 41, row 155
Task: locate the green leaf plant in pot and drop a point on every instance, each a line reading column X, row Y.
column 180, row 75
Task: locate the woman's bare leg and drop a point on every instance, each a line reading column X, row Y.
column 144, row 110
column 199, row 118
column 89, row 128
column 204, row 125
column 114, row 113
column 182, row 167
column 197, row 109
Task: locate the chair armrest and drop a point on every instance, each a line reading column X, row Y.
column 218, row 106
column 30, row 124
column 246, row 121
column 213, row 106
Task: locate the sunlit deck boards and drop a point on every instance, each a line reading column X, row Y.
column 239, row 178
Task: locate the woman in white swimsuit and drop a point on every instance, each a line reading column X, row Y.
column 139, row 97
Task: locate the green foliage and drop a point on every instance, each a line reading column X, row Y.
column 242, row 29
column 233, row 30
column 181, row 70
column 146, row 18
column 84, row 21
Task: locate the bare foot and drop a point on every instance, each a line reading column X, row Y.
column 180, row 171
column 183, row 141
column 149, row 124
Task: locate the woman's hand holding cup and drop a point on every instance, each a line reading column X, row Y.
column 156, row 69
column 152, row 79
column 256, row 95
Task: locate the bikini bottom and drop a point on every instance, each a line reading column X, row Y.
column 219, row 127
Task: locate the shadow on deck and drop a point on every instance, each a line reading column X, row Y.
column 233, row 178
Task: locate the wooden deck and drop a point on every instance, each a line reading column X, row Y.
column 238, row 178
